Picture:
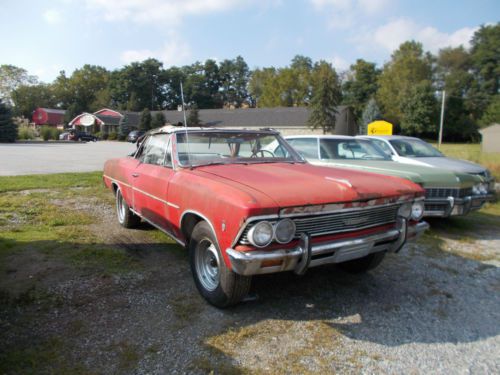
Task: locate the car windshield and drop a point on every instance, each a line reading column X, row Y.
column 353, row 149
column 414, row 148
column 198, row 148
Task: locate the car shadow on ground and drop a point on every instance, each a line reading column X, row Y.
column 422, row 295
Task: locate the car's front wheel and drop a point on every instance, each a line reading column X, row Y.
column 216, row 283
column 126, row 218
column 363, row 264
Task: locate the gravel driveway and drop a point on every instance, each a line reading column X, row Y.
column 48, row 157
column 433, row 308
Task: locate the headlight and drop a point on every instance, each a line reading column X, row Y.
column 417, row 210
column 405, row 210
column 475, row 189
column 284, row 230
column 261, row 234
column 483, row 188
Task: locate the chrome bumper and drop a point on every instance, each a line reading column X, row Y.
column 455, row 206
column 306, row 254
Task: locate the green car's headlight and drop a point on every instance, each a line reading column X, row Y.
column 405, row 210
column 417, row 210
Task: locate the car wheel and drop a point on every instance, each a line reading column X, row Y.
column 219, row 285
column 364, row 264
column 126, row 218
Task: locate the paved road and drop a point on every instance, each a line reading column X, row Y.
column 40, row 158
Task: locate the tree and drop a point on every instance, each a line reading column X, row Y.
column 370, row 114
column 11, row 77
column 26, row 98
column 418, row 109
column 145, row 121
column 361, row 85
column 326, row 96
column 234, row 76
column 194, row 116
column 408, row 67
column 72, row 111
column 123, row 128
column 158, row 120
column 492, row 113
column 8, row 129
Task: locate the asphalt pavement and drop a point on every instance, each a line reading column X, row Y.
column 47, row 157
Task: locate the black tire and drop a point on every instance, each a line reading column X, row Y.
column 219, row 285
column 364, row 264
column 126, row 218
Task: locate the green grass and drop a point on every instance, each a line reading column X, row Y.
column 473, row 152
column 60, row 180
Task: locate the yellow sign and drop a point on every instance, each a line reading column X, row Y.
column 380, row 128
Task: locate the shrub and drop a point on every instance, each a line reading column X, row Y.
column 46, row 132
column 112, row 136
column 54, row 133
column 26, row 132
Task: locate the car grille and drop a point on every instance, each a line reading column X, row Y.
column 339, row 222
column 435, row 207
column 447, row 192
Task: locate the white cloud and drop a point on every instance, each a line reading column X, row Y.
column 175, row 51
column 52, row 16
column 392, row 34
column 339, row 63
column 344, row 14
column 170, row 12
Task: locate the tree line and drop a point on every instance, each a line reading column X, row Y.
column 405, row 91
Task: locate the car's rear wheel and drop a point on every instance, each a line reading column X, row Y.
column 126, row 218
column 364, row 264
column 216, row 283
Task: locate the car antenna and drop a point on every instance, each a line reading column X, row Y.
column 185, row 126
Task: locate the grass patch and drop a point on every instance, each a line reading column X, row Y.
column 57, row 181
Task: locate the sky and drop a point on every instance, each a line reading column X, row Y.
column 45, row 37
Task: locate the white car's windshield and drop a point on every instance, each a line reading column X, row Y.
column 229, row 147
column 414, row 148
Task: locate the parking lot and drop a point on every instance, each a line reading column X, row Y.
column 48, row 157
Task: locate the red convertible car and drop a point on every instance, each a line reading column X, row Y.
column 242, row 210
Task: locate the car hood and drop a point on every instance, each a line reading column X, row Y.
column 305, row 184
column 457, row 165
column 425, row 176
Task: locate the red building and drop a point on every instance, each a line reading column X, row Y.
column 48, row 116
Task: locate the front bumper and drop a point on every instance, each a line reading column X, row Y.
column 450, row 206
column 306, row 254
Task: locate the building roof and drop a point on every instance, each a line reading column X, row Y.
column 253, row 117
column 492, row 128
column 52, row 110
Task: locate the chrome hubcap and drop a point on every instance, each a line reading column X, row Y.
column 120, row 207
column 207, row 264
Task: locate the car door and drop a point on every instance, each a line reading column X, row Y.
column 151, row 178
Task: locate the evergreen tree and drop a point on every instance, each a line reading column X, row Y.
column 370, row 114
column 326, row 96
column 8, row 129
column 492, row 113
column 419, row 111
column 145, row 121
column 158, row 120
column 123, row 128
column 194, row 116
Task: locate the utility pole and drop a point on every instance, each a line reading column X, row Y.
column 441, row 120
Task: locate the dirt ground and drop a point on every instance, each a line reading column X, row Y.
column 433, row 308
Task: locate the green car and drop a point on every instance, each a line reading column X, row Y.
column 448, row 193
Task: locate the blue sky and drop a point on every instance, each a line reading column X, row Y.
column 45, row 37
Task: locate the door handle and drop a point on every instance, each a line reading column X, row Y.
column 135, row 174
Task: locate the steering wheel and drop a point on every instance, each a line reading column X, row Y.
column 255, row 154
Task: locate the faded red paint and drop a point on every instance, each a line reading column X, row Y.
column 232, row 193
column 108, row 112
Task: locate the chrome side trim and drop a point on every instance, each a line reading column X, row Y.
column 168, row 233
column 204, row 218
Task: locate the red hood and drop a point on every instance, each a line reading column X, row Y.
column 304, row 184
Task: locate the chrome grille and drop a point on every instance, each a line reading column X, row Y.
column 339, row 222
column 447, row 192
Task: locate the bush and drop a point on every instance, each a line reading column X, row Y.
column 45, row 133
column 104, row 136
column 54, row 133
column 112, row 136
column 26, row 132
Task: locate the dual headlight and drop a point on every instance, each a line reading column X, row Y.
column 481, row 188
column 414, row 210
column 263, row 233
